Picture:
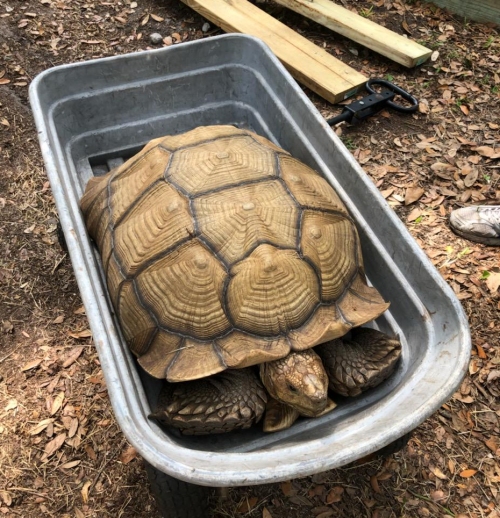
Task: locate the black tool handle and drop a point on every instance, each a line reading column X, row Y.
column 397, row 90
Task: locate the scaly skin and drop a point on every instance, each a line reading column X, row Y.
column 298, row 380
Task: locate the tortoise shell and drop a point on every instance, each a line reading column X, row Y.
column 222, row 251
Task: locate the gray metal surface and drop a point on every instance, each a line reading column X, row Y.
column 92, row 115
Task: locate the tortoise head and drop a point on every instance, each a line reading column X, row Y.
column 298, row 380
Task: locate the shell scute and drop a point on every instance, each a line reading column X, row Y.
column 308, row 187
column 159, row 220
column 236, row 219
column 221, row 163
column 184, row 290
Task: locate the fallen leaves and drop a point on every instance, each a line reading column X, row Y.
column 493, row 281
column 80, row 335
column 85, row 491
column 128, row 455
column 11, row 405
column 467, row 473
column 413, row 194
column 57, row 403
column 41, row 426
column 52, row 446
column 247, row 505
column 33, row 364
column 334, row 495
column 72, row 356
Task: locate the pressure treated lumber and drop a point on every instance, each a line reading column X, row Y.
column 308, row 63
column 477, row 10
column 357, row 28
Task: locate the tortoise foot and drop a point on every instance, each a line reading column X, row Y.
column 360, row 363
column 231, row 400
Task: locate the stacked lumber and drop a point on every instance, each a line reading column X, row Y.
column 309, row 64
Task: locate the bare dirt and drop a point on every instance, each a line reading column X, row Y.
column 61, row 452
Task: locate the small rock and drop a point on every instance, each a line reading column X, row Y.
column 205, row 27
column 155, row 38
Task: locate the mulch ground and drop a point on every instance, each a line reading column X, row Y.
column 62, row 453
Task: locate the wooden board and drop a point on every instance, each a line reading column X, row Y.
column 357, row 28
column 309, row 64
column 477, row 10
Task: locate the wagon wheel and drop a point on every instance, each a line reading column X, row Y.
column 176, row 498
column 394, row 446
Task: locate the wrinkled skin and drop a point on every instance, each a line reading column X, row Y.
column 298, row 380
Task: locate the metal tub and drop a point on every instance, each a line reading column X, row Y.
column 92, row 115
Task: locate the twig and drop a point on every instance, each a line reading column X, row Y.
column 427, row 499
column 10, row 354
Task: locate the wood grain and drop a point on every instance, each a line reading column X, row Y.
column 308, row 63
column 357, row 28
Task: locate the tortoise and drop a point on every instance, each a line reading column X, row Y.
column 221, row 252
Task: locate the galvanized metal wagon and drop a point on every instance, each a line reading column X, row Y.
column 93, row 115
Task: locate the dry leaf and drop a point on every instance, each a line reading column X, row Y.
column 493, row 443
column 128, row 455
column 374, row 484
column 437, row 495
column 85, row 491
column 464, row 109
column 435, row 55
column 414, row 214
column 466, row 473
column 316, row 490
column 40, row 427
column 247, row 505
column 438, row 473
column 57, row 403
column 334, row 495
column 58, row 320
column 79, row 311
column 157, row 18
column 78, row 513
column 480, row 352
column 11, row 405
column 73, row 355
column 7, row 499
column 81, row 334
column 413, row 194
column 31, row 365
column 484, row 151
column 387, row 192
column 90, row 452
column 73, row 427
column 471, row 178
column 266, row 513
column 71, row 464
column 4, row 81
column 326, row 514
column 52, row 446
column 286, row 488
column 493, row 281
column 145, row 20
